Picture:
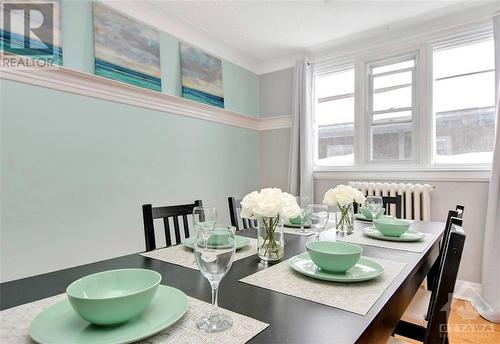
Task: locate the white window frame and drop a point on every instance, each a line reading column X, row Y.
column 422, row 166
column 336, row 69
column 414, row 109
column 446, row 44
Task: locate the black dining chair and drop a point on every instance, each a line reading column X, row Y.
column 386, row 203
column 429, row 309
column 151, row 213
column 234, row 208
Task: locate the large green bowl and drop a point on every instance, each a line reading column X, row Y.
column 391, row 227
column 113, row 297
column 334, row 256
column 368, row 214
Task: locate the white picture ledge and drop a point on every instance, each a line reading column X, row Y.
column 67, row 80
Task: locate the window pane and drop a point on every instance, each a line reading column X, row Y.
column 335, row 111
column 392, row 141
column 334, row 119
column 392, row 116
column 394, row 99
column 394, row 66
column 392, row 80
column 337, row 83
column 465, row 136
column 464, row 59
column 336, row 144
column 464, row 106
column 465, row 92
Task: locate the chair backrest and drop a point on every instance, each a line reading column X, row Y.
column 397, row 200
column 234, row 205
column 442, row 295
column 433, row 272
column 151, row 213
column 460, row 210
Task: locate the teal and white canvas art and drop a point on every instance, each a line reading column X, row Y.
column 201, row 76
column 126, row 50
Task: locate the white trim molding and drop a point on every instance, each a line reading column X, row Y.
column 67, row 80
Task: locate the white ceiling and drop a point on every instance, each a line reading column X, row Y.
column 271, row 29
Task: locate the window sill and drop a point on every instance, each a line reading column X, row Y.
column 399, row 173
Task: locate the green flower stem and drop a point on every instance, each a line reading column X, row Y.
column 270, row 227
column 345, row 219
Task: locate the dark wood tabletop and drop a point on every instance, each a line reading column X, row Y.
column 291, row 319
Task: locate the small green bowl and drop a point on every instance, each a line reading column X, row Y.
column 391, row 227
column 368, row 214
column 334, row 256
column 113, row 297
column 295, row 221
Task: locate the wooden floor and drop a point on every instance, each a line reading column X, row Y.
column 466, row 326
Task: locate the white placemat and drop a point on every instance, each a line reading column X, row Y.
column 15, row 323
column 184, row 256
column 414, row 246
column 353, row 297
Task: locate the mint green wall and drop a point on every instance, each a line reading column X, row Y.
column 241, row 87
column 76, row 170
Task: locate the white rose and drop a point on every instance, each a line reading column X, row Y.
column 330, row 198
column 269, row 203
column 248, row 203
column 290, row 209
column 359, row 197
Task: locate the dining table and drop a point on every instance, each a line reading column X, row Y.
column 291, row 319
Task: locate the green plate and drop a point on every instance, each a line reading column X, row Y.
column 408, row 236
column 364, row 270
column 361, row 217
column 59, row 324
column 291, row 225
column 241, row 242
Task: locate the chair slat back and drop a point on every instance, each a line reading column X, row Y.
column 460, row 210
column 234, row 206
column 151, row 213
column 442, row 296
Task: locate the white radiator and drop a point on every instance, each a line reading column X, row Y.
column 416, row 198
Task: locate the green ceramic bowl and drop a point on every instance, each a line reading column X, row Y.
column 113, row 297
column 295, row 221
column 334, row 256
column 391, row 227
column 368, row 214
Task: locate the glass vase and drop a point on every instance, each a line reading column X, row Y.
column 270, row 239
column 345, row 219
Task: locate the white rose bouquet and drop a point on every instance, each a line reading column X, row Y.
column 344, row 196
column 269, row 207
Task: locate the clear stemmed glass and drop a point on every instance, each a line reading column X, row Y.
column 374, row 204
column 318, row 217
column 303, row 202
column 205, row 217
column 214, row 253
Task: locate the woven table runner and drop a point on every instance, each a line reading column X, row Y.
column 183, row 256
column 15, row 323
column 353, row 297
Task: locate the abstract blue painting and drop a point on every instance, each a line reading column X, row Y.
column 126, row 50
column 201, row 76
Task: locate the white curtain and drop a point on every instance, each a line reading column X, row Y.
column 488, row 304
column 300, row 172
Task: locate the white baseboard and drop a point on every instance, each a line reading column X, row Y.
column 465, row 290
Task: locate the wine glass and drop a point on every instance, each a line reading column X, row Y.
column 214, row 253
column 303, row 202
column 318, row 217
column 374, row 204
column 204, row 217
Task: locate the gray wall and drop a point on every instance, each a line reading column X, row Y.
column 276, row 93
column 275, row 100
column 274, row 148
column 76, row 170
